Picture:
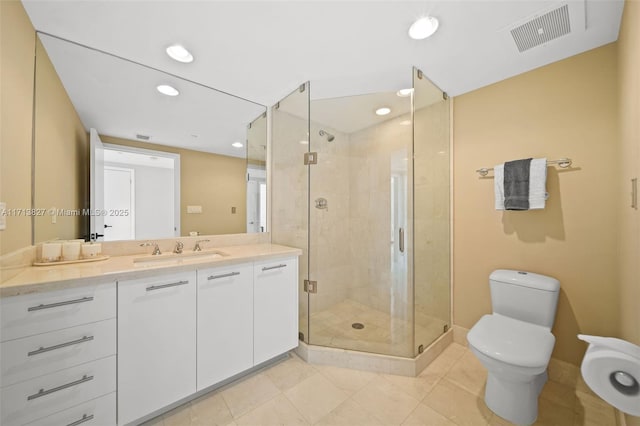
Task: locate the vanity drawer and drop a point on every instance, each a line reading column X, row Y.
column 22, row 316
column 33, row 399
column 33, row 356
column 97, row 412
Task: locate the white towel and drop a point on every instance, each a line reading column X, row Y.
column 498, row 186
column 537, row 183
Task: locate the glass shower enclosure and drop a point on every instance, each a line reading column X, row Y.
column 365, row 193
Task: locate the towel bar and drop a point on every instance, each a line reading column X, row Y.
column 562, row 162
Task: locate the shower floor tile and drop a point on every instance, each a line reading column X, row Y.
column 439, row 396
column 382, row 333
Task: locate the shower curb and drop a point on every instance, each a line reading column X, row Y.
column 386, row 364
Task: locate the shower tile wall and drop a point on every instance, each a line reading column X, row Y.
column 375, row 151
column 331, row 263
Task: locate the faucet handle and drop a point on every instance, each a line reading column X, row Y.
column 197, row 247
column 156, row 249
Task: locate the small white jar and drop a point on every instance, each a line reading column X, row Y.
column 71, row 250
column 90, row 250
column 51, row 252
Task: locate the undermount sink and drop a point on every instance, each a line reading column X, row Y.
column 177, row 259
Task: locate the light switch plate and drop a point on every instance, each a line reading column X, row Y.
column 194, row 209
column 3, row 216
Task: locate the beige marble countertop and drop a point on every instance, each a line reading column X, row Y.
column 36, row 279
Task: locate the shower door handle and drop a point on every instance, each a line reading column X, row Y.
column 401, row 239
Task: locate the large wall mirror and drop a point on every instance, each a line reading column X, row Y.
column 112, row 152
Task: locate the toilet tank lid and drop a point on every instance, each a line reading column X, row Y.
column 525, row 279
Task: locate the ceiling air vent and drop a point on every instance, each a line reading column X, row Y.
column 542, row 29
column 143, row 137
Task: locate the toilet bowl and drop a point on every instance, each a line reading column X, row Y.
column 514, row 343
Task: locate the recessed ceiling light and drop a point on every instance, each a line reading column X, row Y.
column 304, row 142
column 403, row 93
column 237, row 145
column 179, row 53
column 423, row 28
column 165, row 89
column 383, row 111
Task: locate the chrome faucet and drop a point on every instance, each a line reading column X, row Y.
column 197, row 247
column 156, row 249
column 178, row 248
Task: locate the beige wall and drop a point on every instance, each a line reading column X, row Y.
column 215, row 182
column 60, row 141
column 568, row 108
column 61, row 156
column 16, row 103
column 629, row 167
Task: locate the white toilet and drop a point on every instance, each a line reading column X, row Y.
column 515, row 342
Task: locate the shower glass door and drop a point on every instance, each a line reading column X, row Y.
column 432, row 278
column 290, row 185
column 371, row 212
column 360, row 224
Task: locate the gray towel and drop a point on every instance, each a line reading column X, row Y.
column 516, row 184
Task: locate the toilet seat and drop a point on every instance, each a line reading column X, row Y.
column 512, row 341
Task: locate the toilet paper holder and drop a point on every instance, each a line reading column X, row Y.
column 623, row 377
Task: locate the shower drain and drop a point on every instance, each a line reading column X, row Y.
column 357, row 326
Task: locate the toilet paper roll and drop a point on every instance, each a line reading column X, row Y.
column 611, row 368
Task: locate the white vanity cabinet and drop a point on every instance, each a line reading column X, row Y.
column 225, row 323
column 115, row 353
column 58, row 351
column 156, row 343
column 275, row 308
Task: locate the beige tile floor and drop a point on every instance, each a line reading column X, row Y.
column 448, row 392
column 382, row 334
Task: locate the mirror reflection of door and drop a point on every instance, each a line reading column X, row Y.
column 141, row 190
column 398, row 196
column 256, row 199
column 96, row 177
column 119, row 196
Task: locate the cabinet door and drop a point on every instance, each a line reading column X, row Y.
column 156, row 343
column 275, row 301
column 225, row 323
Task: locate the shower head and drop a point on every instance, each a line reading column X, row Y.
column 329, row 136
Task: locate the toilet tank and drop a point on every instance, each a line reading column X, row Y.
column 524, row 296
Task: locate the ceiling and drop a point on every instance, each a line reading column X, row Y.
column 263, row 50
column 119, row 98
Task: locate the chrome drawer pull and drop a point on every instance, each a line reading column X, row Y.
column 55, row 305
column 158, row 287
column 43, row 392
column 267, row 268
column 85, row 418
column 61, row 345
column 230, row 274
